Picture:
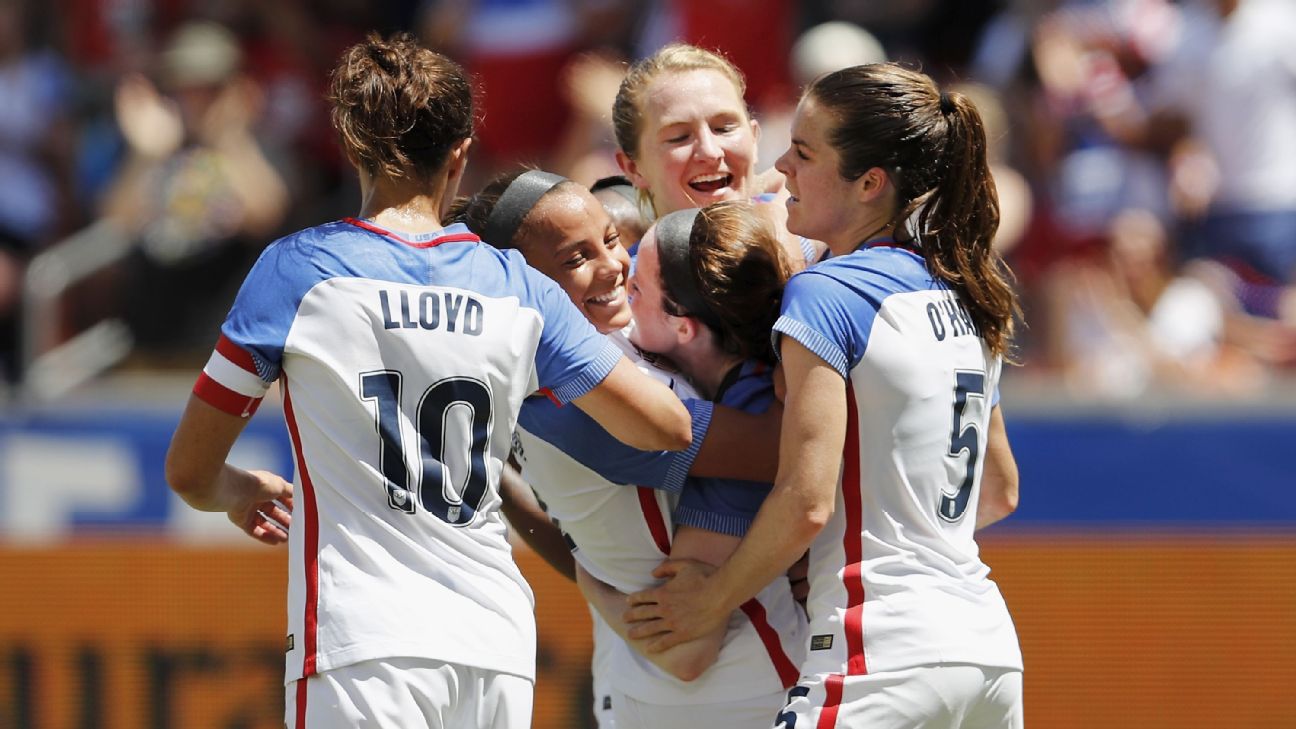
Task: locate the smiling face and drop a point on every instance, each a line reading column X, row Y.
column 569, row 238
column 655, row 329
column 697, row 145
column 823, row 205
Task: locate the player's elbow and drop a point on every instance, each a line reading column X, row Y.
column 681, row 431
column 997, row 503
column 187, row 481
column 815, row 519
column 690, row 665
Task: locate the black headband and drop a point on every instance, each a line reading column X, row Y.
column 515, row 202
column 629, row 192
column 675, row 233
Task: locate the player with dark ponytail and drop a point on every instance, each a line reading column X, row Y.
column 893, row 346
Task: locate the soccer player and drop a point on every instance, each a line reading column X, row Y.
column 617, row 505
column 893, row 346
column 620, row 200
column 403, row 349
column 686, row 139
column 705, row 294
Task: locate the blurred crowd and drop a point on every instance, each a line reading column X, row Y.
column 1144, row 150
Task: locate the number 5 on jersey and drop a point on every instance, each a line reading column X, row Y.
column 433, row 423
column 965, row 435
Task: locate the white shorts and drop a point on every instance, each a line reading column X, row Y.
column 947, row 696
column 745, row 714
column 409, row 692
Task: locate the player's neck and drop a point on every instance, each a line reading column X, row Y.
column 706, row 367
column 402, row 206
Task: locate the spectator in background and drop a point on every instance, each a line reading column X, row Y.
column 517, row 50
column 1231, row 83
column 196, row 189
column 1127, row 321
column 35, row 163
column 825, row 48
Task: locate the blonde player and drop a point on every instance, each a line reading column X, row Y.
column 403, row 349
column 893, row 346
column 686, row 139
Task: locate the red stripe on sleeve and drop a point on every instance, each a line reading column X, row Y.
column 236, row 354
column 653, row 517
column 224, row 399
column 310, row 551
column 787, row 672
column 852, row 541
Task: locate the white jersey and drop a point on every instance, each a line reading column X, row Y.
column 403, row 364
column 614, row 503
column 895, row 576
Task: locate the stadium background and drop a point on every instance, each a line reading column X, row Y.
column 1149, row 568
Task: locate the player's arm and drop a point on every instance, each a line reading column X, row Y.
column 686, row 661
column 999, row 479
column 638, row 410
column 739, row 445
column 531, row 523
column 258, row 502
column 696, row 601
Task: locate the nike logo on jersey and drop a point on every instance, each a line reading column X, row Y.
column 431, row 310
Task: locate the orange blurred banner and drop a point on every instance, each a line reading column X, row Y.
column 1117, row 631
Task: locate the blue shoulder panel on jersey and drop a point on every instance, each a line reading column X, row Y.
column 722, row 505
column 573, row 432
column 831, row 306
column 572, row 356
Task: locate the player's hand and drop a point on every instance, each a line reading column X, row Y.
column 679, row 611
column 266, row 514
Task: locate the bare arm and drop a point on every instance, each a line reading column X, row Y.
column 740, row 445
column 814, row 429
column 638, row 410
column 258, row 502
column 999, row 475
column 533, row 524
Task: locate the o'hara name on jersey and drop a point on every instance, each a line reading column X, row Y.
column 949, row 318
column 453, row 312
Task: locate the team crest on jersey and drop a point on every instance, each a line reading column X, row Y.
column 452, row 514
column 821, row 642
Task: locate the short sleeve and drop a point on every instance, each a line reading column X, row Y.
column 826, row 317
column 728, row 506
column 575, row 433
column 249, row 352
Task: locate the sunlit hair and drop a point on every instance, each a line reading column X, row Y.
column 398, row 107
column 628, row 109
column 739, row 269
column 933, row 149
column 474, row 210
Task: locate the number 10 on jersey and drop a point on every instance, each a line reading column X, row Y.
column 435, row 431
